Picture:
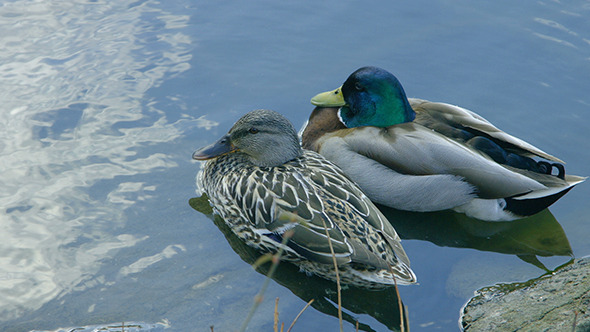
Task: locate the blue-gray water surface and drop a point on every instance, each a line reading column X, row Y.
column 103, row 102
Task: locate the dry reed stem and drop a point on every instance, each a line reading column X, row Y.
column 299, row 314
column 337, row 275
column 407, row 316
column 261, row 260
column 275, row 263
column 577, row 312
column 399, row 305
column 276, row 316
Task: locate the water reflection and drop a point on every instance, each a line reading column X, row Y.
column 538, row 235
column 381, row 305
column 94, row 113
column 117, row 327
column 72, row 80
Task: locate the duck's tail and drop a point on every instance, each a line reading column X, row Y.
column 538, row 200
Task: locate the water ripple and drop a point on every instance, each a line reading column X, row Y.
column 73, row 74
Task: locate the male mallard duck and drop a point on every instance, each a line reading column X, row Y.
column 416, row 155
column 264, row 184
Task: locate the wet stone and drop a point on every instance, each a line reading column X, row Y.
column 557, row 302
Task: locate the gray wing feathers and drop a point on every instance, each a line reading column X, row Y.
column 421, row 151
column 378, row 179
column 467, row 118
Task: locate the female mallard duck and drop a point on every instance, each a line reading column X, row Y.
column 416, row 155
column 263, row 184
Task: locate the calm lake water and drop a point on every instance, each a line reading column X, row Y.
column 104, row 102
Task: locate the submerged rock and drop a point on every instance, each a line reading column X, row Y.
column 554, row 302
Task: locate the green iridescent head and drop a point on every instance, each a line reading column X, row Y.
column 370, row 96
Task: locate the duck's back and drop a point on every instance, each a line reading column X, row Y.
column 310, row 196
column 462, row 124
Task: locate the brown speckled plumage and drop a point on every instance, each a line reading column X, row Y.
column 303, row 195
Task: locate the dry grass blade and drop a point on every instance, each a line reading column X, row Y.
column 275, row 263
column 575, row 321
column 577, row 311
column 299, row 314
column 262, row 260
column 338, row 289
column 276, row 317
column 406, row 315
column 399, row 305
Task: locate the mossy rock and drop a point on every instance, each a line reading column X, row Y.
column 558, row 301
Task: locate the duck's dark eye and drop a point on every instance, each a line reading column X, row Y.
column 358, row 86
column 253, row 130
